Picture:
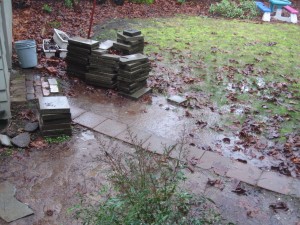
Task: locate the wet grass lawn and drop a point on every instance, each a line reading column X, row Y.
column 241, row 67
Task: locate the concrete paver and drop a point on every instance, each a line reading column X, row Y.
column 89, row 119
column 275, row 182
column 111, row 127
column 244, row 172
column 75, row 111
column 214, row 161
column 295, row 188
column 158, row 144
column 10, row 208
column 138, row 135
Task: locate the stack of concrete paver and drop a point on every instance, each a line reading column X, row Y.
column 79, row 50
column 133, row 73
column 54, row 116
column 103, row 70
column 129, row 42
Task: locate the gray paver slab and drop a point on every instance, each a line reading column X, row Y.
column 133, row 134
column 158, row 144
column 46, row 92
column 244, row 172
column 193, row 152
column 75, row 111
column 133, row 58
column 89, row 119
column 54, row 88
column 214, row 161
column 45, row 84
column 111, row 127
column 177, row 99
column 10, row 208
column 30, row 97
column 54, row 104
column 295, row 188
column 275, row 182
column 106, row 44
column 136, row 95
column 52, row 81
column 30, row 90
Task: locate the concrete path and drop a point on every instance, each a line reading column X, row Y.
column 203, row 159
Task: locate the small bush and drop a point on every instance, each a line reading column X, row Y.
column 58, row 139
column 47, row 8
column 146, row 188
column 69, row 3
column 243, row 9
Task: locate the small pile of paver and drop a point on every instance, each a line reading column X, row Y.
column 133, row 73
column 129, row 42
column 103, row 70
column 54, row 116
column 79, row 50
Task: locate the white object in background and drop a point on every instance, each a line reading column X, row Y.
column 61, row 38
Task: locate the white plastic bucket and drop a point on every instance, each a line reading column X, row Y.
column 26, row 51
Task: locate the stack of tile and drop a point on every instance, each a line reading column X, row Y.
column 79, row 50
column 54, row 116
column 103, row 70
column 129, row 42
column 133, row 73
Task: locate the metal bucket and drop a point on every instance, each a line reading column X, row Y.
column 26, row 51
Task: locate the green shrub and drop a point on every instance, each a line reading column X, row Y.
column 47, row 8
column 69, row 3
column 58, row 139
column 142, row 1
column 243, row 9
column 146, row 188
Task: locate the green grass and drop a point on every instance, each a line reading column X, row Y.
column 273, row 49
column 59, row 139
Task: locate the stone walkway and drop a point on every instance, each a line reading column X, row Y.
column 203, row 159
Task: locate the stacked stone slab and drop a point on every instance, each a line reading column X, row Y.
column 79, row 50
column 133, row 73
column 103, row 70
column 54, row 116
column 129, row 42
